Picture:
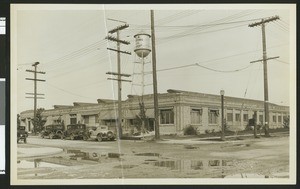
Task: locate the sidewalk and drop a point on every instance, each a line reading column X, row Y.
column 209, row 140
column 37, row 151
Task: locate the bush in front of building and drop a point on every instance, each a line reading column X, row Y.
column 286, row 122
column 190, row 130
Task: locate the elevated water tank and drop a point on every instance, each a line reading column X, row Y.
column 142, row 44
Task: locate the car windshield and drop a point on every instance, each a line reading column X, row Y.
column 58, row 126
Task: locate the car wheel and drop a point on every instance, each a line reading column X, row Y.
column 99, row 137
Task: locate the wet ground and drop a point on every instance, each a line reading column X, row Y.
column 245, row 158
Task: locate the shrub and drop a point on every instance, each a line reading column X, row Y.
column 190, row 130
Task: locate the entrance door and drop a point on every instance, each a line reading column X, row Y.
column 151, row 124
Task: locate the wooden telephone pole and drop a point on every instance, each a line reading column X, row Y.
column 157, row 136
column 264, row 60
column 35, row 94
column 119, row 74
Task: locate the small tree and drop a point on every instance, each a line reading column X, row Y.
column 39, row 121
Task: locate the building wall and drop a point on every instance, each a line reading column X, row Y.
column 181, row 103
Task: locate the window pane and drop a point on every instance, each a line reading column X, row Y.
column 195, row 116
column 166, row 117
column 237, row 117
column 279, row 118
column 212, row 116
column 73, row 120
column 245, row 117
column 229, row 117
column 274, row 119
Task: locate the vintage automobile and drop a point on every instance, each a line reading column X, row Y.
column 22, row 134
column 102, row 132
column 53, row 131
column 76, row 131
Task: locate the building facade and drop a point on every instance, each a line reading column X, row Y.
column 177, row 110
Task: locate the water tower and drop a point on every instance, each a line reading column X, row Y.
column 142, row 50
column 142, row 44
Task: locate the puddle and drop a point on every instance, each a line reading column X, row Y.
column 151, row 160
column 79, row 155
column 114, row 155
column 125, row 166
column 36, row 163
column 190, row 147
column 247, row 175
column 190, row 164
column 148, row 154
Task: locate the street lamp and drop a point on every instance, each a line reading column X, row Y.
column 222, row 92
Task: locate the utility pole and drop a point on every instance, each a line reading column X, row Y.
column 157, row 137
column 264, row 60
column 35, row 94
column 118, row 74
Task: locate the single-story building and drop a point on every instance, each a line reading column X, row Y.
column 177, row 110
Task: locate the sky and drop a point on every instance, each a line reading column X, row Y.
column 199, row 49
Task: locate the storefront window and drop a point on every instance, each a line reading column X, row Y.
column 167, row 116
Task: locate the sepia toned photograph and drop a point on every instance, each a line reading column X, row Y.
column 153, row 94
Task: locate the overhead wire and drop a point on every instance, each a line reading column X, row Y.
column 68, row 92
column 197, row 29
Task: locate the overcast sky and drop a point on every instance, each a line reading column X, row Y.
column 70, row 46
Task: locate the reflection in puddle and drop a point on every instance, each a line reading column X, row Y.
column 147, row 154
column 191, row 164
column 79, row 155
column 125, row 166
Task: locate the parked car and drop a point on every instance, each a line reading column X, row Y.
column 76, row 131
column 22, row 134
column 102, row 132
column 53, row 131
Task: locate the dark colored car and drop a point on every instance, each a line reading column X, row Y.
column 22, row 134
column 53, row 131
column 76, row 131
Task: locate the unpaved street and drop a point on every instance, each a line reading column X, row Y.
column 186, row 158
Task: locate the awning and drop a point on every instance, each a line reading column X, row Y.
column 90, row 113
column 108, row 114
column 56, row 117
column 132, row 114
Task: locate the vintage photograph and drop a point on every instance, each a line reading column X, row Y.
column 153, row 94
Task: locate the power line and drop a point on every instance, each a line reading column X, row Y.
column 281, row 61
column 205, row 25
column 68, row 91
column 223, row 71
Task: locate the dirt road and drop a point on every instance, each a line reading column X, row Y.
column 258, row 158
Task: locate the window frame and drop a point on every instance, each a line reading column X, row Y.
column 170, row 118
column 192, row 112
column 231, row 116
column 213, row 120
column 237, row 118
